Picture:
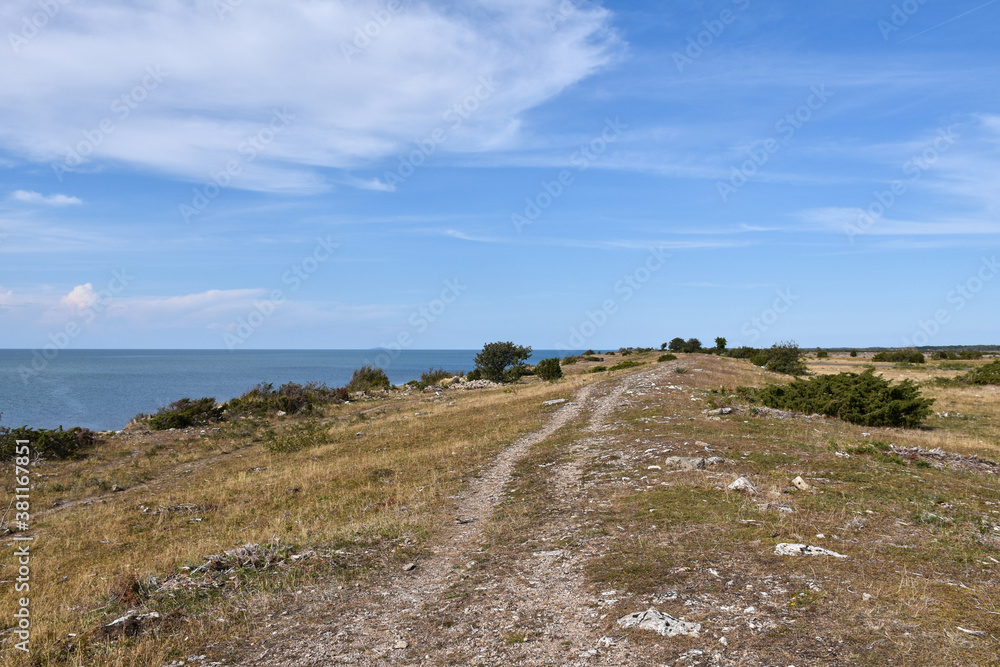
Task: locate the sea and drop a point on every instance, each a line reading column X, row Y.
column 104, row 389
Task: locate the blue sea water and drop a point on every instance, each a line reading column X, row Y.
column 104, row 389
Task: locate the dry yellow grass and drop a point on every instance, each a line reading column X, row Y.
column 375, row 482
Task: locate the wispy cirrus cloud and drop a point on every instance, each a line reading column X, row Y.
column 346, row 108
column 30, row 197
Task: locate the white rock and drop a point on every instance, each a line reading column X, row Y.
column 800, row 484
column 555, row 402
column 743, row 484
column 686, row 462
column 787, row 549
column 660, row 623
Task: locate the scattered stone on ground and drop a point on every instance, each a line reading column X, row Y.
column 800, row 484
column 657, row 621
column 686, row 462
column 132, row 623
column 743, row 485
column 787, row 549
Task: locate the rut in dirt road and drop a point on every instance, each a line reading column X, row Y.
column 368, row 632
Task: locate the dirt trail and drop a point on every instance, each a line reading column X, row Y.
column 400, row 620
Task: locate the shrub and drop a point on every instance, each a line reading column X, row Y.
column 864, row 399
column 742, row 352
column 963, row 355
column 781, row 358
column 50, row 443
column 900, row 356
column 570, row 360
column 854, row 353
column 549, row 369
column 514, row 373
column 592, row 358
column 184, row 413
column 495, row 359
column 474, row 375
column 822, row 354
column 368, row 379
column 988, row 374
column 622, row 365
column 720, row 344
column 598, row 369
column 432, row 377
column 290, row 398
column 676, row 345
column 692, row 345
column 666, row 357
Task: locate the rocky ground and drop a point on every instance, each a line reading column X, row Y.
column 518, row 578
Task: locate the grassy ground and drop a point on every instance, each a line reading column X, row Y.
column 367, row 489
column 373, row 481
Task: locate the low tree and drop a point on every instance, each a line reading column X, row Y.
column 549, row 369
column 367, row 379
column 495, row 358
column 783, row 358
column 692, row 345
column 720, row 344
column 854, row 353
column 676, row 345
column 663, row 346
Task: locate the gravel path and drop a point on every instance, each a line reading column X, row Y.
column 400, row 619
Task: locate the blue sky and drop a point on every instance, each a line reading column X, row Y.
column 321, row 174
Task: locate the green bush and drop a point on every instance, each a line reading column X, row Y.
column 781, row 358
column 368, row 379
column 49, row 443
column 184, row 413
column 854, row 353
column 676, row 345
column 622, row 365
column 988, row 374
column 963, row 355
column 290, row 397
column 592, row 358
column 666, row 357
column 495, row 360
column 598, row 369
column 549, row 369
column 900, row 356
column 514, row 373
column 742, row 352
column 692, row 345
column 822, row 354
column 864, row 399
column 432, row 377
column 570, row 360
column 474, row 375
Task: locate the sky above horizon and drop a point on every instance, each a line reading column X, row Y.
column 317, row 174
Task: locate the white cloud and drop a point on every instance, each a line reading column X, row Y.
column 857, row 222
column 81, row 297
column 29, row 197
column 218, row 82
